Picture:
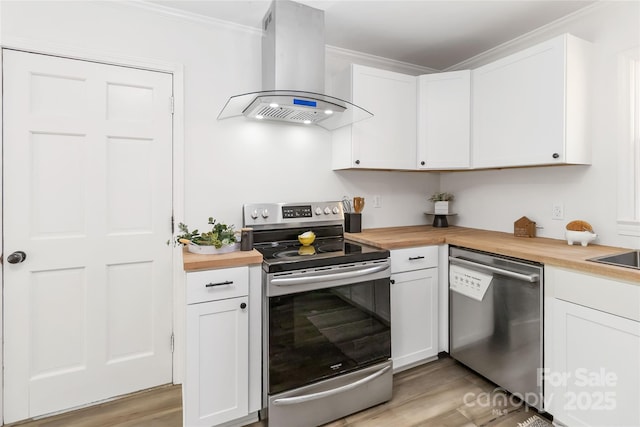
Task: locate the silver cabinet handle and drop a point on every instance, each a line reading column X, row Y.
column 289, row 281
column 228, row 282
column 334, row 391
column 525, row 277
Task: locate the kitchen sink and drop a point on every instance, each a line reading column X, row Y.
column 626, row 259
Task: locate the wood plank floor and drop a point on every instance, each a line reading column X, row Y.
column 442, row 393
column 158, row 407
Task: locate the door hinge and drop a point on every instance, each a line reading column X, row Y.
column 171, row 104
column 173, row 225
column 172, row 342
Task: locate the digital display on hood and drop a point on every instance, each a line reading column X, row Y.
column 305, row 102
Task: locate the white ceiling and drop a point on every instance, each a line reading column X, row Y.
column 430, row 33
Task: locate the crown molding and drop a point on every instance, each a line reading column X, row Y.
column 379, row 61
column 526, row 40
column 331, row 50
column 188, row 16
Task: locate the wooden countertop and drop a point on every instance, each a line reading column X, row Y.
column 547, row 251
column 195, row 262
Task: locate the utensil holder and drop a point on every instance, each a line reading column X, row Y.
column 353, row 222
column 246, row 239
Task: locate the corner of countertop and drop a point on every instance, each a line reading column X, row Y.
column 544, row 250
column 197, row 262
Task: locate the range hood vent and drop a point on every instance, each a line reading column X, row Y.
column 293, row 74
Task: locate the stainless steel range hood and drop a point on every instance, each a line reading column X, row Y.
column 293, row 52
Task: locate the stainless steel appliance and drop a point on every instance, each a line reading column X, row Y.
column 293, row 74
column 327, row 332
column 496, row 320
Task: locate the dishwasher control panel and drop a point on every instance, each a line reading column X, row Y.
column 468, row 282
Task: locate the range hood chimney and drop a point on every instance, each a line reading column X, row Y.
column 293, row 52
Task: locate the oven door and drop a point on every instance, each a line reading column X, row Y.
column 328, row 342
column 338, row 322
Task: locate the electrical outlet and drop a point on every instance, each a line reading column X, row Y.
column 377, row 201
column 557, row 211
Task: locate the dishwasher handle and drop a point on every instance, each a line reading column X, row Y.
column 531, row 278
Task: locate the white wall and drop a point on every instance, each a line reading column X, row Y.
column 495, row 199
column 232, row 162
column 229, row 162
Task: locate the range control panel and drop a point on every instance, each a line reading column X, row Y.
column 297, row 211
column 267, row 215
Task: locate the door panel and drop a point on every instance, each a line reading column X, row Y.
column 87, row 195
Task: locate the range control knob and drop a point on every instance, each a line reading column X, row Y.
column 327, row 211
column 254, row 214
column 335, row 210
column 265, row 213
column 318, row 211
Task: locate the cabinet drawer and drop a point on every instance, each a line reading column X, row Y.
column 598, row 292
column 212, row 285
column 414, row 258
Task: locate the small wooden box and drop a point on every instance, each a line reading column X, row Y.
column 524, row 227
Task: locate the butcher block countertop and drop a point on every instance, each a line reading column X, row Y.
column 547, row 251
column 196, row 262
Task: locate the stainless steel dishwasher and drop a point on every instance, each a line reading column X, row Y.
column 495, row 309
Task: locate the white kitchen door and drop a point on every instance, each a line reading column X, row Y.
column 87, row 175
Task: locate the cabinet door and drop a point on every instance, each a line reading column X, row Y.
column 444, row 120
column 594, row 373
column 388, row 139
column 414, row 317
column 518, row 108
column 216, row 384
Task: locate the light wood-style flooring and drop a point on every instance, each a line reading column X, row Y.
column 442, row 393
column 158, row 407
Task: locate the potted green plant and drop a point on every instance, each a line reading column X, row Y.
column 221, row 238
column 441, row 202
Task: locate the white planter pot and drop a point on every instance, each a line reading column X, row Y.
column 441, row 208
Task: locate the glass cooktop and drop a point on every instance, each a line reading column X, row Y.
column 291, row 255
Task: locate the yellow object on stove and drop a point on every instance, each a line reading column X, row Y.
column 307, row 238
column 307, row 250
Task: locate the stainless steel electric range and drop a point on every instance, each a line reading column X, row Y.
column 326, row 315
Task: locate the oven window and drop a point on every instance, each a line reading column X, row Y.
column 319, row 334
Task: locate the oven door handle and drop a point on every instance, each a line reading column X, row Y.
column 334, row 391
column 290, row 281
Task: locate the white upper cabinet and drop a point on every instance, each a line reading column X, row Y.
column 444, row 120
column 388, row 139
column 530, row 107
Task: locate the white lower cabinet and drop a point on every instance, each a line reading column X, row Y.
column 414, row 306
column 592, row 356
column 595, row 376
column 217, row 384
column 222, row 381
